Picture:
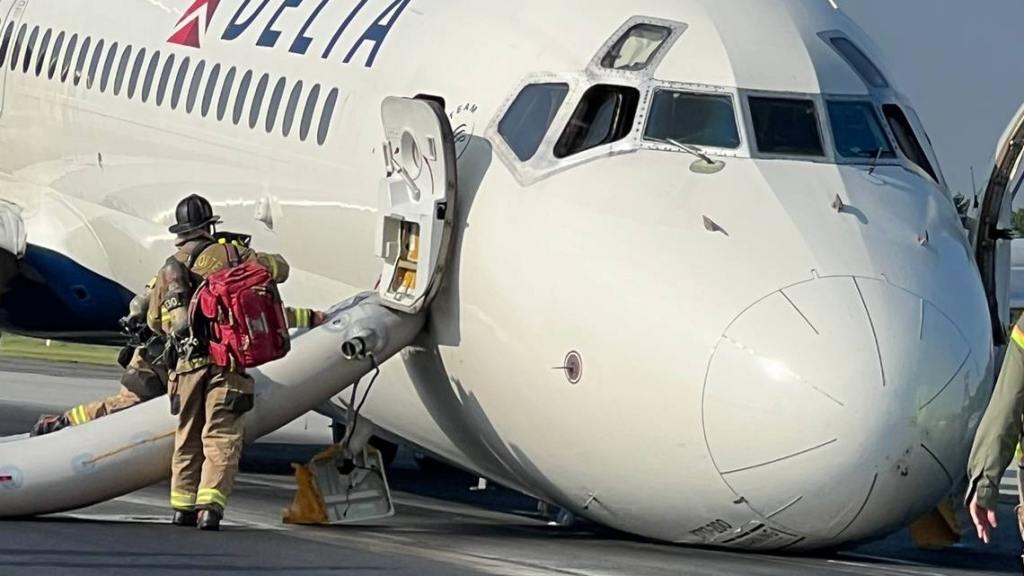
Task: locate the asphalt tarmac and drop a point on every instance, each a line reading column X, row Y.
column 441, row 527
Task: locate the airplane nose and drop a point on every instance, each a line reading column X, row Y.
column 838, row 407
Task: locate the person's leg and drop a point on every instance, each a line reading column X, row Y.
column 187, row 400
column 140, row 382
column 228, row 397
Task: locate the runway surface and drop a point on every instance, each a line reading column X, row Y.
column 441, row 527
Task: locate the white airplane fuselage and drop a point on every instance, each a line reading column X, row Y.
column 785, row 353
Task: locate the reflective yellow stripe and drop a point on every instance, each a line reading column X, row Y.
column 302, row 317
column 273, row 267
column 78, row 416
column 182, row 500
column 211, row 496
column 1018, row 336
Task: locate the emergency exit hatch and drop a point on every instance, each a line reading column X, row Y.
column 416, row 202
column 994, row 231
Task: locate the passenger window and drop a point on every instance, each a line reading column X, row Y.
column 44, row 46
column 68, row 57
column 637, row 48
column 530, row 116
column 257, row 101
column 147, row 84
column 275, row 104
column 243, row 93
column 308, row 111
column 688, row 118
column 94, row 67
column 6, row 43
column 786, row 126
column 293, row 106
column 179, row 82
column 225, row 93
column 83, row 56
column 133, row 81
column 604, row 115
column 16, row 51
column 906, row 138
column 193, row 89
column 30, row 48
column 165, row 80
column 54, row 56
column 211, row 87
column 122, row 69
column 860, row 62
column 108, row 67
column 326, row 117
column 858, row 132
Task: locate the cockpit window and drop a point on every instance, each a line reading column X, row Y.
column 786, row 126
column 530, row 116
column 637, row 48
column 605, row 114
column 860, row 62
column 858, row 132
column 906, row 138
column 689, row 118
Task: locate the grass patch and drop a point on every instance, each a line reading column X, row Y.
column 12, row 346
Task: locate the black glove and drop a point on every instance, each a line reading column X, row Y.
column 124, row 356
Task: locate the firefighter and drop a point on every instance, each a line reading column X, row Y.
column 144, row 377
column 209, row 400
column 997, row 439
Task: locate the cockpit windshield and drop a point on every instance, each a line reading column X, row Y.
column 858, row 132
column 786, row 126
column 706, row 120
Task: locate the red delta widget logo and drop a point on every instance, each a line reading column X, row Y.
column 300, row 25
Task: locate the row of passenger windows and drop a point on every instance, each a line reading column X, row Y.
column 782, row 126
column 244, row 97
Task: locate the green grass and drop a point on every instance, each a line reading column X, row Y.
column 12, row 346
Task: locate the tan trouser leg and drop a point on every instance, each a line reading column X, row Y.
column 228, row 398
column 140, row 383
column 187, row 462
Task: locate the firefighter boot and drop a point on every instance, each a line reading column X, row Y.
column 189, row 518
column 48, row 424
column 209, row 519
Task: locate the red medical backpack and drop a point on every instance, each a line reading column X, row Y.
column 246, row 317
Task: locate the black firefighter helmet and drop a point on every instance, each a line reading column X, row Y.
column 193, row 213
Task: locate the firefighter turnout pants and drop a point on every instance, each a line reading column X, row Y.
column 141, row 382
column 211, row 403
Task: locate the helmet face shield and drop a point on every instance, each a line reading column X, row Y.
column 193, row 213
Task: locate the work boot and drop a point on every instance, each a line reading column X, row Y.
column 209, row 519
column 48, row 423
column 189, row 518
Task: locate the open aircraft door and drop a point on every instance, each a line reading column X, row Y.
column 417, row 202
column 12, row 39
column 994, row 231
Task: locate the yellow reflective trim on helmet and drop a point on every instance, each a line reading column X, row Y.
column 1018, row 336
